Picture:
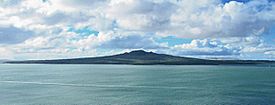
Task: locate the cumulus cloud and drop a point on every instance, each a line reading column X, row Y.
column 232, row 19
column 217, row 28
column 142, row 15
column 132, row 42
column 206, row 47
column 76, row 4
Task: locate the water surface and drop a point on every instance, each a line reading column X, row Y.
column 136, row 85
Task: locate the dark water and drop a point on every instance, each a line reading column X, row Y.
column 136, row 85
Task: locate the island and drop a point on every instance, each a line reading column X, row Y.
column 140, row 57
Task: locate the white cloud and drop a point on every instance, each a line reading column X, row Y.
column 206, row 47
column 272, row 53
column 132, row 42
column 141, row 15
column 182, row 18
column 5, row 53
column 39, row 26
column 233, row 19
column 73, row 5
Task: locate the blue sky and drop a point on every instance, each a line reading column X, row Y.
column 50, row 29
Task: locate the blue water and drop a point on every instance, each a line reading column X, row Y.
column 136, row 85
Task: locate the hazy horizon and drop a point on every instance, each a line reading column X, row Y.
column 207, row 57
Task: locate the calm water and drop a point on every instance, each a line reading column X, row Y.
column 136, row 85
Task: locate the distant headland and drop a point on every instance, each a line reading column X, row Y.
column 140, row 57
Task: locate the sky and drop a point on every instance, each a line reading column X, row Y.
column 52, row 29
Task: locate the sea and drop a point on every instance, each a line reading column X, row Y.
column 45, row 84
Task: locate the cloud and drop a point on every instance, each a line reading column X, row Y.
column 140, row 15
column 272, row 53
column 181, row 18
column 5, row 53
column 232, row 19
column 65, row 18
column 13, row 35
column 132, row 42
column 76, row 4
column 7, row 3
column 216, row 27
column 206, row 47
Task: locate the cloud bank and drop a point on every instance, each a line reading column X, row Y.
column 74, row 28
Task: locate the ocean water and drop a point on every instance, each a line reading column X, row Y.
column 136, row 85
